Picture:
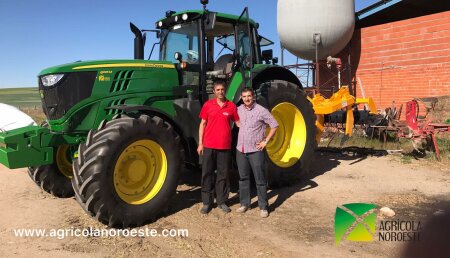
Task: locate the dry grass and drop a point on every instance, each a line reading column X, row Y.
column 441, row 112
column 405, row 146
column 35, row 112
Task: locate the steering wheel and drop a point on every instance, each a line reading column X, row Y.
column 192, row 57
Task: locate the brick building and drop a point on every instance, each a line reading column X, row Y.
column 400, row 50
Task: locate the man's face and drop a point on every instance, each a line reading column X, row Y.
column 219, row 91
column 247, row 98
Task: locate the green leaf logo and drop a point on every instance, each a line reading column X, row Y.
column 355, row 222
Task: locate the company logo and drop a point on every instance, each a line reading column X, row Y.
column 355, row 222
column 103, row 78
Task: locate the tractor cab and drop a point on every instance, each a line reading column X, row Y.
column 209, row 46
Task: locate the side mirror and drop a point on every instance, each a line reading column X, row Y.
column 275, row 60
column 211, row 21
column 144, row 38
column 267, row 55
column 178, row 56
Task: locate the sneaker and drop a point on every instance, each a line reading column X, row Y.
column 205, row 209
column 264, row 213
column 224, row 208
column 242, row 209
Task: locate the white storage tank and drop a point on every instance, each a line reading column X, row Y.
column 12, row 118
column 301, row 21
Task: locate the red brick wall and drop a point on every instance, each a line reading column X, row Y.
column 401, row 60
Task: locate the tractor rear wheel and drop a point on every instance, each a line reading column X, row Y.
column 127, row 171
column 55, row 178
column 290, row 152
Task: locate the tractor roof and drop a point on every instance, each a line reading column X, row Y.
column 224, row 17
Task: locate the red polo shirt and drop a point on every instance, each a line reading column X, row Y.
column 217, row 133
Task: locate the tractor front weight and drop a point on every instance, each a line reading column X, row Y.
column 24, row 147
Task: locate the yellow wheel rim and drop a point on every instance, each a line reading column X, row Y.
column 140, row 172
column 289, row 142
column 64, row 160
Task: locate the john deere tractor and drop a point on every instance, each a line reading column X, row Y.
column 119, row 132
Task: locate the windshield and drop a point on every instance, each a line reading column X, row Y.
column 227, row 42
column 183, row 39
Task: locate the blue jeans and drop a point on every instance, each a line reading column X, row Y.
column 246, row 163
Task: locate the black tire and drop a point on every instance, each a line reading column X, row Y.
column 51, row 180
column 94, row 170
column 271, row 95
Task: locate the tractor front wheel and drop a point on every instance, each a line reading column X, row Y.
column 127, row 171
column 55, row 178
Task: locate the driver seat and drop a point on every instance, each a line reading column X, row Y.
column 222, row 63
column 222, row 67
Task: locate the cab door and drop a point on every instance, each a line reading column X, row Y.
column 244, row 46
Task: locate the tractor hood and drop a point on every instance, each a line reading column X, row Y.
column 106, row 64
column 80, row 89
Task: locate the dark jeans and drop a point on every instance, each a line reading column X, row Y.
column 247, row 162
column 220, row 161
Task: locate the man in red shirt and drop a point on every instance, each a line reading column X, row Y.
column 215, row 147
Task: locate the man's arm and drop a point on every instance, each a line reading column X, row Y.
column 201, row 131
column 235, row 117
column 270, row 120
column 264, row 143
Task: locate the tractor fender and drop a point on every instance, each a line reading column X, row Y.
column 264, row 73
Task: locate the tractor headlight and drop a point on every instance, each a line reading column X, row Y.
column 52, row 79
column 185, row 16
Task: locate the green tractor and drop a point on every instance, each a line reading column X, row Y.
column 119, row 132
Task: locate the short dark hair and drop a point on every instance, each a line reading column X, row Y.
column 248, row 89
column 220, row 82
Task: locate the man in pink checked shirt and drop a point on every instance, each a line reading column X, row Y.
column 250, row 146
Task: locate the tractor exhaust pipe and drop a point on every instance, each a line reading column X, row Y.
column 138, row 42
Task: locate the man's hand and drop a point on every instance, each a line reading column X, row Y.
column 260, row 146
column 200, row 149
column 201, row 130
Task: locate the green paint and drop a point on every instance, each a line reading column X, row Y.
column 72, row 67
column 23, row 147
column 235, row 84
column 167, row 106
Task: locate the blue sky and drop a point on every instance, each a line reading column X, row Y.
column 39, row 34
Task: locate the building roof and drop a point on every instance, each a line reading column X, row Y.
column 386, row 11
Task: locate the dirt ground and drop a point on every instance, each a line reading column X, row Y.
column 301, row 222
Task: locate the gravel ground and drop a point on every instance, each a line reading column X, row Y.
column 301, row 222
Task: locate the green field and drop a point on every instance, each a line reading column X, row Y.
column 21, row 97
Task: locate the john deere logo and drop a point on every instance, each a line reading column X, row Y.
column 355, row 222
